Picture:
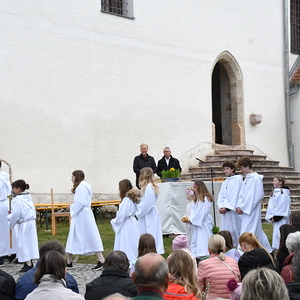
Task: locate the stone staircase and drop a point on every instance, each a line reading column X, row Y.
column 268, row 168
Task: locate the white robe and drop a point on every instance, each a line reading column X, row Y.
column 23, row 216
column 202, row 223
column 189, row 227
column 5, row 190
column 251, row 193
column 279, row 205
column 149, row 219
column 228, row 198
column 84, row 237
column 125, row 226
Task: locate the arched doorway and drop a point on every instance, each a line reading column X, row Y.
column 227, row 101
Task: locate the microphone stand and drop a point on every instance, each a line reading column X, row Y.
column 212, row 186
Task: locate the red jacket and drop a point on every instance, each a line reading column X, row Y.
column 177, row 292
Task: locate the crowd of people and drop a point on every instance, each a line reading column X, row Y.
column 236, row 263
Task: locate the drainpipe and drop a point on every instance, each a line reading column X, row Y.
column 287, row 86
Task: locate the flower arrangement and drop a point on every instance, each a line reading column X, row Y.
column 172, row 173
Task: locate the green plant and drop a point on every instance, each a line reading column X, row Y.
column 172, row 173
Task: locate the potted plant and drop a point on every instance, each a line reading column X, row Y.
column 170, row 175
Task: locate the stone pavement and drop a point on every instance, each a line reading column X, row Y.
column 83, row 273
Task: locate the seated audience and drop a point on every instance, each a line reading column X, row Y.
column 183, row 282
column 294, row 286
column 7, row 286
column 26, row 284
column 50, row 277
column 114, row 278
column 255, row 255
column 295, row 220
column 151, row 277
column 146, row 245
column 230, row 250
column 181, row 243
column 214, row 272
column 292, row 244
column 282, row 252
column 264, row 284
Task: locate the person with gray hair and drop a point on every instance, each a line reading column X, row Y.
column 264, row 284
column 116, row 296
column 151, row 277
column 114, row 278
column 167, row 162
column 293, row 244
column 142, row 161
column 294, row 286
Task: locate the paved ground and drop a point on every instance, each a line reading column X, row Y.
column 83, row 273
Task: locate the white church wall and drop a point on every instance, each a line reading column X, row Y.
column 82, row 89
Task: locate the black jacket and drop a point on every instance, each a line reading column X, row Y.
column 254, row 259
column 141, row 162
column 7, row 286
column 294, row 290
column 110, row 282
column 162, row 165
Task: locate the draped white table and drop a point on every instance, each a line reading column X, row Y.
column 171, row 203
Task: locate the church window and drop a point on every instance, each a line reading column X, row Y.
column 295, row 26
column 122, row 8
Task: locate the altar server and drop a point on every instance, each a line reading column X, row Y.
column 84, row 237
column 227, row 200
column 147, row 214
column 278, row 210
column 125, row 225
column 23, row 216
column 248, row 204
column 201, row 220
column 5, row 190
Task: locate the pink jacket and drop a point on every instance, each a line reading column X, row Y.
column 213, row 275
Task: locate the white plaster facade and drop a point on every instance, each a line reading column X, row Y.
column 82, row 89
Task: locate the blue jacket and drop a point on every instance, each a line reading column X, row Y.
column 25, row 284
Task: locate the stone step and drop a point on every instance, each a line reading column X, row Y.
column 241, row 152
column 234, row 157
column 256, row 163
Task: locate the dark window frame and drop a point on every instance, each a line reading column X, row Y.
column 121, row 8
column 295, row 26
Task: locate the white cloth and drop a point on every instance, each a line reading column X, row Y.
column 279, row 205
column 202, row 223
column 125, row 226
column 5, row 190
column 23, row 217
column 251, row 193
column 148, row 218
column 84, row 237
column 189, row 227
column 228, row 198
column 48, row 289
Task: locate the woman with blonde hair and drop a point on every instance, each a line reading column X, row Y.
column 183, row 282
column 201, row 220
column 264, row 284
column 125, row 224
column 214, row 272
column 147, row 214
column 255, row 255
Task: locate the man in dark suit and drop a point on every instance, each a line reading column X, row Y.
column 167, row 162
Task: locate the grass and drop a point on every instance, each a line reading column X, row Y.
column 107, row 236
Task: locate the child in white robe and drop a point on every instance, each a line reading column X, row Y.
column 5, row 190
column 248, row 205
column 201, row 220
column 84, row 237
column 125, row 225
column 23, row 216
column 190, row 196
column 147, row 214
column 278, row 210
column 227, row 200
